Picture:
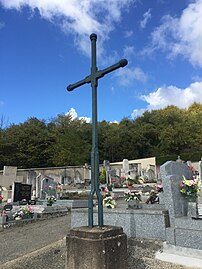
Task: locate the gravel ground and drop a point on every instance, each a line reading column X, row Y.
column 33, row 242
column 41, row 245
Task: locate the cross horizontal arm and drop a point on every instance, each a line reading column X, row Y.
column 71, row 87
column 121, row 63
column 98, row 74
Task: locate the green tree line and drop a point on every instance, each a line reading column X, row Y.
column 63, row 142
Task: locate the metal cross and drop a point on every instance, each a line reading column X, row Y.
column 93, row 79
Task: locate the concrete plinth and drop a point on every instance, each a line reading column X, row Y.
column 96, row 248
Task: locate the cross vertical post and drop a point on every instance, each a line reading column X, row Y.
column 93, row 79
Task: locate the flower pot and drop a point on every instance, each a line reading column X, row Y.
column 18, row 218
column 133, row 203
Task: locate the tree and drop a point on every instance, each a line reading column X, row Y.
column 72, row 145
column 26, row 145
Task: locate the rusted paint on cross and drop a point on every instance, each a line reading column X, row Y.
column 93, row 79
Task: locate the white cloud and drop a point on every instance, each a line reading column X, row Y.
column 183, row 35
column 78, row 17
column 146, row 17
column 128, row 52
column 72, row 112
column 128, row 33
column 137, row 113
column 2, row 24
column 86, row 119
column 171, row 95
column 127, row 75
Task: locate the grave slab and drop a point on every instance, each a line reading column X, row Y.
column 180, row 255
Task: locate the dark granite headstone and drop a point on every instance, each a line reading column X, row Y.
column 21, row 191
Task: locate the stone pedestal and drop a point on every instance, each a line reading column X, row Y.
column 96, row 248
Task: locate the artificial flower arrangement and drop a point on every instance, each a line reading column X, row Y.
column 59, row 188
column 51, row 200
column 18, row 214
column 109, row 201
column 27, row 210
column 130, row 181
column 159, row 188
column 190, row 188
column 24, row 211
column 133, row 195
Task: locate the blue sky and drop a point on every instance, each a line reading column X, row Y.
column 45, row 46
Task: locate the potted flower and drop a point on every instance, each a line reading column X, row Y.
column 109, row 202
column 133, row 198
column 51, row 200
column 130, row 182
column 190, row 189
column 27, row 211
column 159, row 188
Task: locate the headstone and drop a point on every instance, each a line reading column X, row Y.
column 200, row 170
column 150, row 174
column 48, row 188
column 172, row 174
column 21, row 191
column 106, row 165
column 200, row 197
column 184, row 231
column 125, row 166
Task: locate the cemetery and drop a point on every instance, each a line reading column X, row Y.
column 173, row 217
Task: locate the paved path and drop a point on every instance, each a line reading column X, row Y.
column 16, row 242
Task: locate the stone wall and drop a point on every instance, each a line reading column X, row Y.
column 140, row 223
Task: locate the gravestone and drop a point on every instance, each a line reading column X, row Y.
column 172, row 175
column 21, row 191
column 200, row 169
column 200, row 197
column 184, row 231
column 126, row 166
column 48, row 188
column 106, row 165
